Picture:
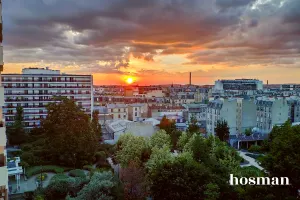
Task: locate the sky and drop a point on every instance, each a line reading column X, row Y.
column 155, row 41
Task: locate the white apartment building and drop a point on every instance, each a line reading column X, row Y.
column 239, row 113
column 270, row 112
column 3, row 155
column 238, row 86
column 37, row 87
column 196, row 110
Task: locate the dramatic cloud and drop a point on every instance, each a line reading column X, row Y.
column 103, row 36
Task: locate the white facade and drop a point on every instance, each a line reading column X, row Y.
column 3, row 155
column 271, row 112
column 240, row 114
column 137, row 111
column 36, row 88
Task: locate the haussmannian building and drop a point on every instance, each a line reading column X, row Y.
column 37, row 87
column 3, row 155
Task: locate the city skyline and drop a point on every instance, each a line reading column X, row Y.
column 114, row 40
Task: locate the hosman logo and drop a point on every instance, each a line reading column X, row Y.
column 258, row 180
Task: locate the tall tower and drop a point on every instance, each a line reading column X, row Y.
column 190, row 78
column 3, row 160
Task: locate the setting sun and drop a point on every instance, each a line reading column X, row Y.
column 129, row 80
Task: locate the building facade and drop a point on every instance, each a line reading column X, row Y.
column 239, row 113
column 238, row 86
column 118, row 111
column 3, row 154
column 271, row 112
column 37, row 87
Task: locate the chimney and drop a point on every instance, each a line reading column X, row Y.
column 190, row 78
column 267, row 82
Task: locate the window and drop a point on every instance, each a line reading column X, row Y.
column 119, row 116
column 135, row 114
column 119, row 110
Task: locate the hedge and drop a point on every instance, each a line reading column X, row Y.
column 88, row 167
column 77, row 173
column 57, row 177
column 255, row 149
column 30, row 171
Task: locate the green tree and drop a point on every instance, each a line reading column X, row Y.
column 211, row 191
column 160, row 138
column 95, row 124
column 70, row 139
column 180, row 179
column 182, row 141
column 16, row 132
column 222, row 131
column 131, row 148
column 283, row 158
column 193, row 126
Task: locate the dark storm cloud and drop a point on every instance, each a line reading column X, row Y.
column 208, row 31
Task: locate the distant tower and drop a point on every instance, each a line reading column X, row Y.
column 190, row 78
column 267, row 82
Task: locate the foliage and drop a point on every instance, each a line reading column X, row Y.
column 70, row 139
column 96, row 125
column 183, row 177
column 77, row 173
column 107, row 148
column 211, row 191
column 182, row 141
column 30, row 171
column 160, row 139
column 60, row 176
column 170, row 127
column 133, row 178
column 283, row 158
column 255, row 149
column 16, row 133
column 193, row 126
column 248, row 132
column 130, row 148
column 158, row 157
column 100, row 155
column 222, row 130
column 100, row 187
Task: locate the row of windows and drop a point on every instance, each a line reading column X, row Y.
column 48, row 79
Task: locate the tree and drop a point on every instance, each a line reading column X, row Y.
column 133, row 178
column 193, row 126
column 211, row 191
column 160, row 138
column 70, row 139
column 180, row 179
column 16, row 133
column 131, row 148
column 222, row 131
column 182, row 141
column 95, row 124
column 283, row 158
column 170, row 127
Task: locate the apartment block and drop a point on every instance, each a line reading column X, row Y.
column 196, row 110
column 137, row 111
column 118, row 111
column 37, row 87
column 3, row 155
column 271, row 112
column 239, row 113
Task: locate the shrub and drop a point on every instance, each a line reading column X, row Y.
column 42, row 177
column 47, row 168
column 255, row 148
column 103, row 164
column 88, row 167
column 57, row 189
column 26, row 147
column 107, row 148
column 57, row 177
column 77, row 173
column 100, row 155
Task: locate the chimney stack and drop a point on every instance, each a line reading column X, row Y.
column 190, row 78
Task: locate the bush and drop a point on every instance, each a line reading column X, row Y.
column 107, row 148
column 77, row 173
column 26, row 147
column 100, row 155
column 255, row 149
column 42, row 177
column 103, row 164
column 57, row 177
column 47, row 168
column 88, row 167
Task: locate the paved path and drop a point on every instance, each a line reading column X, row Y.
column 251, row 161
